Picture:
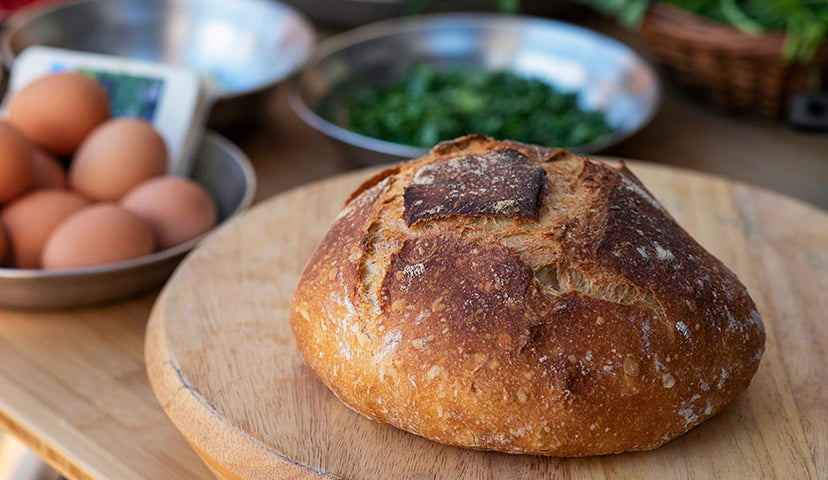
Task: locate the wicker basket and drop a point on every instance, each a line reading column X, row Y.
column 732, row 69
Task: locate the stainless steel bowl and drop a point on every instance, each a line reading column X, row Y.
column 241, row 47
column 607, row 74
column 220, row 167
column 353, row 13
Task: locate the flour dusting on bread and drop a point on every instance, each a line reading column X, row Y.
column 510, row 297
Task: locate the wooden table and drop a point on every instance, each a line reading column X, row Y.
column 73, row 385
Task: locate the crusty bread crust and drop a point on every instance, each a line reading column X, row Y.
column 592, row 325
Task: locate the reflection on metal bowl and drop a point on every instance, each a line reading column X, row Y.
column 241, row 47
column 220, row 167
column 353, row 13
column 608, row 75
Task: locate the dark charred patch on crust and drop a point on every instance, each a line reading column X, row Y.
column 469, row 289
column 641, row 241
column 501, row 183
column 645, row 245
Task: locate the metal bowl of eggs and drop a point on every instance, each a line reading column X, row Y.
column 220, row 167
column 242, row 48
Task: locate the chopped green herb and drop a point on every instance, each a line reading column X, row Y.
column 427, row 106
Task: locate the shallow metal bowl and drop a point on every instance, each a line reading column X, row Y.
column 607, row 75
column 220, row 167
column 241, row 47
column 353, row 13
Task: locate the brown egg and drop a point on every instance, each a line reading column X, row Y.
column 32, row 218
column 116, row 157
column 178, row 209
column 16, row 162
column 4, row 246
column 96, row 235
column 48, row 171
column 58, row 111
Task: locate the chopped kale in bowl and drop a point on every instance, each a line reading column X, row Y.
column 427, row 106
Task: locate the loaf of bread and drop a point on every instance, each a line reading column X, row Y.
column 503, row 296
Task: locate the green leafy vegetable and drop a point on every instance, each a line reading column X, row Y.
column 419, row 6
column 805, row 22
column 427, row 106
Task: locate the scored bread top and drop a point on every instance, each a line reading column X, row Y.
column 502, row 296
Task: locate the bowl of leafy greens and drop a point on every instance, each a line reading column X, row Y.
column 745, row 56
column 390, row 90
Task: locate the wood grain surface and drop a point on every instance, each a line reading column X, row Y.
column 222, row 360
column 74, row 389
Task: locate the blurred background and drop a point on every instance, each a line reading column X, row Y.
column 308, row 89
column 732, row 84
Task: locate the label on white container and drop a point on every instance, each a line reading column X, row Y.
column 171, row 98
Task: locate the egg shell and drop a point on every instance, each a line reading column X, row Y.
column 59, row 110
column 48, row 171
column 178, row 209
column 4, row 246
column 32, row 218
column 116, row 157
column 99, row 234
column 17, row 170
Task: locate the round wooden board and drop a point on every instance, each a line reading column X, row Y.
column 222, row 360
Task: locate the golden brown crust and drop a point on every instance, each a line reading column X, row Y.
column 595, row 325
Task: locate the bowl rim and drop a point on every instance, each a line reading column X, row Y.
column 384, row 28
column 249, row 175
column 32, row 11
